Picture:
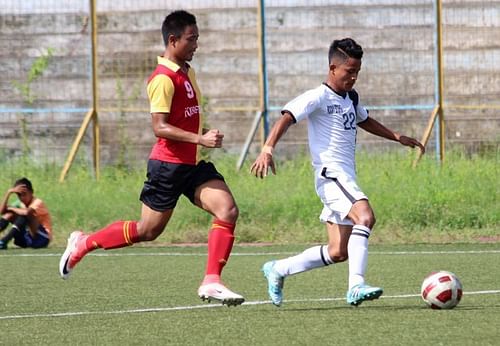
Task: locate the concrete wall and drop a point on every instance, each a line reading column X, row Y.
column 398, row 69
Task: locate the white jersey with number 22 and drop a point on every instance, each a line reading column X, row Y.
column 332, row 122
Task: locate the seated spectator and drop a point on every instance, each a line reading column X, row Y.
column 30, row 218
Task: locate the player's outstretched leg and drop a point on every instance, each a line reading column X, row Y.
column 275, row 283
column 68, row 260
column 217, row 291
column 362, row 292
column 116, row 235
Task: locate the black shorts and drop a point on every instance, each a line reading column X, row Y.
column 166, row 182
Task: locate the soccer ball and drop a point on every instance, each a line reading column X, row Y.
column 441, row 290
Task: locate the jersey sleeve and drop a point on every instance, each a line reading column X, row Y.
column 160, row 93
column 302, row 106
column 361, row 113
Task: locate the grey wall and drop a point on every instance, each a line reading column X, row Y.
column 398, row 70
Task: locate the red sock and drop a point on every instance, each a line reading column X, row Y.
column 220, row 244
column 118, row 234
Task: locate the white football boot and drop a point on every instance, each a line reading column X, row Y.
column 219, row 292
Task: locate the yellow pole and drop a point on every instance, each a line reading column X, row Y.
column 76, row 144
column 96, row 146
column 261, row 72
column 427, row 134
column 92, row 114
column 440, row 81
column 95, row 95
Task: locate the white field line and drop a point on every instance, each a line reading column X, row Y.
column 124, row 254
column 206, row 306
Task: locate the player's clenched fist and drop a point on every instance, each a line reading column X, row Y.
column 212, row 139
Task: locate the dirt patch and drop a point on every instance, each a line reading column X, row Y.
column 488, row 239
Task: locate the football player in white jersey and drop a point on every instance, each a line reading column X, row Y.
column 334, row 113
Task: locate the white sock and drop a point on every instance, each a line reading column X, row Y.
column 311, row 258
column 357, row 249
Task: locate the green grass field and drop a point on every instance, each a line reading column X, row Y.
column 147, row 296
column 457, row 202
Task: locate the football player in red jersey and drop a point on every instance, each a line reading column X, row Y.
column 174, row 168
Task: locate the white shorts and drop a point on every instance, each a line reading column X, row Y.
column 338, row 192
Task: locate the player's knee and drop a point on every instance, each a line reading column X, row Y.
column 9, row 216
column 371, row 221
column 234, row 213
column 229, row 214
column 367, row 220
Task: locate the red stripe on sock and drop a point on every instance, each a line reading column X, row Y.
column 116, row 235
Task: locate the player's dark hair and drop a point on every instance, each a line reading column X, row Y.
column 175, row 23
column 24, row 181
column 344, row 49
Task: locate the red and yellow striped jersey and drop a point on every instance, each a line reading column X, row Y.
column 172, row 91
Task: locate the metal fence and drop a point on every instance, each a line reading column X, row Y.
column 50, row 42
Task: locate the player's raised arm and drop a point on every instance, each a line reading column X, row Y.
column 265, row 159
column 374, row 127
